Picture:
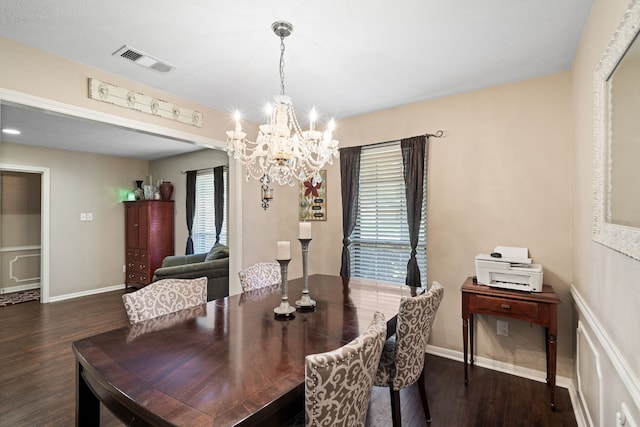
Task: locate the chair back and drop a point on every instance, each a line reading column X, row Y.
column 415, row 319
column 338, row 383
column 259, row 275
column 163, row 297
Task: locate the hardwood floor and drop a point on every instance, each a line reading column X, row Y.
column 37, row 376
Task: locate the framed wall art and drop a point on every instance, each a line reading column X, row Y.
column 312, row 205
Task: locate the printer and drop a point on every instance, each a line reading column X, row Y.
column 509, row 268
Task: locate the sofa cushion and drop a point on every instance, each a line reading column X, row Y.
column 217, row 251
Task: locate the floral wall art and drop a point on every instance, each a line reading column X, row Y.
column 313, row 199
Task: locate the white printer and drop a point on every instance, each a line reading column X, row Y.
column 510, row 268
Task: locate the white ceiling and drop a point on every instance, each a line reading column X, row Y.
column 345, row 57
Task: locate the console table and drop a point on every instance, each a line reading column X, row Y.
column 536, row 307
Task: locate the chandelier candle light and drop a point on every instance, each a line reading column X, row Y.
column 283, row 151
column 283, row 256
column 304, row 236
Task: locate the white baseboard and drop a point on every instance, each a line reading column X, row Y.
column 19, row 288
column 86, row 293
column 509, row 368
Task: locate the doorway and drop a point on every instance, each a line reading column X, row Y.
column 24, row 229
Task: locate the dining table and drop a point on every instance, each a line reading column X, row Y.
column 229, row 362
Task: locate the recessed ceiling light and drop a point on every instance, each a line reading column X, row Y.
column 11, row 131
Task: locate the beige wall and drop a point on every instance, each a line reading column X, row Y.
column 84, row 255
column 500, row 177
column 605, row 280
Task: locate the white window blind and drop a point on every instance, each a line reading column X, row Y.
column 380, row 246
column 204, row 226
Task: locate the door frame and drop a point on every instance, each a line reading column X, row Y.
column 45, row 214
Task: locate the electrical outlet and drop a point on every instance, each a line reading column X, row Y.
column 503, row 328
column 83, row 216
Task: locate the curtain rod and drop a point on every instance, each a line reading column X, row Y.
column 438, row 134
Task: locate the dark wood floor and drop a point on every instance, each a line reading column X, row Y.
column 37, row 376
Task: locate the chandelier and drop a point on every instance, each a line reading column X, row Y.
column 282, row 151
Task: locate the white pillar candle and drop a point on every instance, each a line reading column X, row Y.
column 304, row 231
column 283, row 250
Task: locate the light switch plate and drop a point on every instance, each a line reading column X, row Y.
column 83, row 216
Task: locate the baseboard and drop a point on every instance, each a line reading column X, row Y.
column 509, row 368
column 19, row 288
column 87, row 293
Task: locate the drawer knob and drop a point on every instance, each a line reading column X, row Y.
column 505, row 306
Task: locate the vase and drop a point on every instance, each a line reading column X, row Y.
column 138, row 192
column 166, row 190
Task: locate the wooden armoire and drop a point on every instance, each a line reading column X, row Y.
column 149, row 230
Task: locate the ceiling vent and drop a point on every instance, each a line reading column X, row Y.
column 134, row 55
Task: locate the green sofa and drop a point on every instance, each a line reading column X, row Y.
column 214, row 265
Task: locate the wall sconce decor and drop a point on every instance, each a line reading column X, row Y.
column 266, row 192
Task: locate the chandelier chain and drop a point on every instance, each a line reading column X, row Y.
column 281, row 65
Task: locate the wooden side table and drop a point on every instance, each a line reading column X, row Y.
column 536, row 307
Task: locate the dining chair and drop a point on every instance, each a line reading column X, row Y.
column 338, row 383
column 259, row 275
column 402, row 359
column 163, row 297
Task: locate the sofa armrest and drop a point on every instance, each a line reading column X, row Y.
column 175, row 260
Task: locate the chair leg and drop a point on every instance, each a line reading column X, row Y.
column 395, row 407
column 423, row 397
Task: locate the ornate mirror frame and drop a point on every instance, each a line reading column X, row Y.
column 618, row 237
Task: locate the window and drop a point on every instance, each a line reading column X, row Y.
column 380, row 247
column 204, row 226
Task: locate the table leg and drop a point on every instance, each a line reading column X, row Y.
column 465, row 337
column 552, row 370
column 546, row 345
column 87, row 404
column 471, row 323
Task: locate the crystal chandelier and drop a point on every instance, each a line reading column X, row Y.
column 283, row 151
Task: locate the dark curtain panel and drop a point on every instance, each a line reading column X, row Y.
column 350, row 185
column 191, row 208
column 218, row 198
column 413, row 160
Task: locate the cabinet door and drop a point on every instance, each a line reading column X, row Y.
column 132, row 225
column 143, row 223
column 137, row 225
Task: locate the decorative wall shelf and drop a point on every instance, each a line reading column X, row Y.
column 106, row 92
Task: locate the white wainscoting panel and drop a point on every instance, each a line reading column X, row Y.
column 589, row 374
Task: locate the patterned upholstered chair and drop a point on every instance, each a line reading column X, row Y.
column 402, row 360
column 163, row 297
column 338, row 383
column 259, row 275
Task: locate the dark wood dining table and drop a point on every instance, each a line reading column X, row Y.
column 228, row 362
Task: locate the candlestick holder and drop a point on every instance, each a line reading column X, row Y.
column 305, row 302
column 284, row 309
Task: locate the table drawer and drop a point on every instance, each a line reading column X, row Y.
column 501, row 306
